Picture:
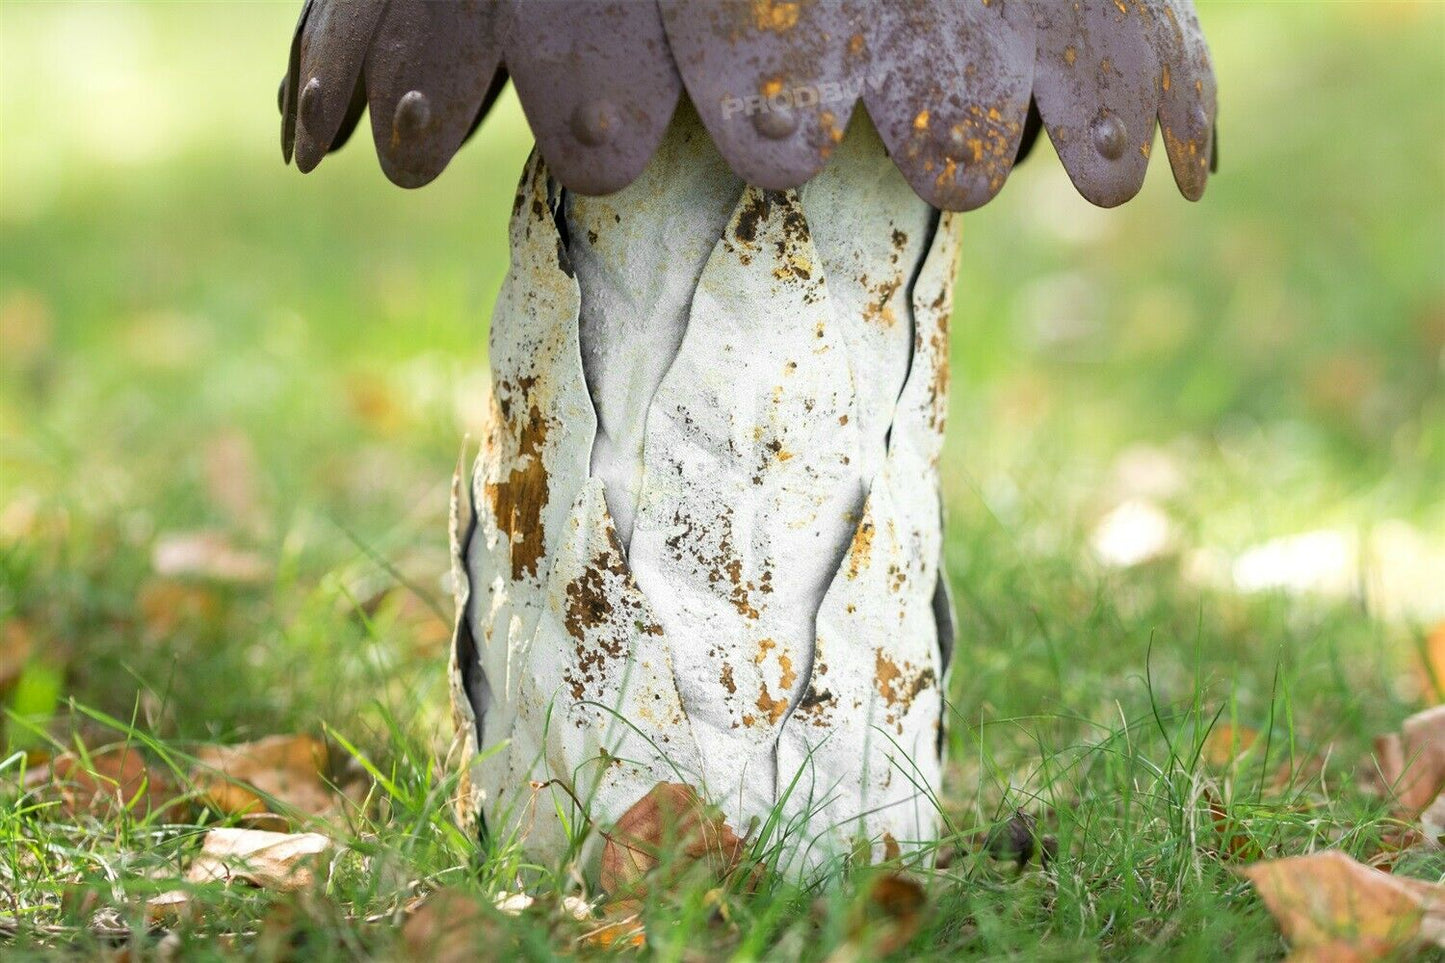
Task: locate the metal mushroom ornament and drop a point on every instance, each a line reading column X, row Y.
column 701, row 542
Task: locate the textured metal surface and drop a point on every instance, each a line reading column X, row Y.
column 948, row 83
column 952, row 123
column 597, row 83
column 1096, row 86
column 775, row 82
column 333, row 44
column 427, row 71
column 767, row 618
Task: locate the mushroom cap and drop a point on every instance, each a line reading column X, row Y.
column 958, row 89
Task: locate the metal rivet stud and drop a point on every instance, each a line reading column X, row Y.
column 1110, row 137
column 775, row 121
column 594, row 121
column 413, row 113
column 310, row 106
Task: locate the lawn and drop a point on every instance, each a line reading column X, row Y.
column 1195, row 480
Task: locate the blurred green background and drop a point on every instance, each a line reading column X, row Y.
column 231, row 397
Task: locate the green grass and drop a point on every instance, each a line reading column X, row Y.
column 178, row 309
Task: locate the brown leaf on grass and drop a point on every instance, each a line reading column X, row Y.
column 206, row 555
column 238, row 780
column 671, row 821
column 1226, row 743
column 1234, row 842
column 106, row 783
column 621, row 926
column 166, row 605
column 886, row 920
column 1327, row 903
column 168, row 908
column 276, row 861
column 17, row 641
column 1432, row 664
column 451, row 926
column 1412, row 763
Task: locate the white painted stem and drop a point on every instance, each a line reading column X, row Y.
column 702, row 539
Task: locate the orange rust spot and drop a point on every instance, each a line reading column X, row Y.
column 726, row 678
column 1145, row 149
column 774, row 15
column 773, row 708
column 1071, row 55
column 886, row 676
column 945, row 176
column 860, row 549
column 855, row 44
column 764, row 645
column 879, row 310
column 829, row 122
column 899, row 686
column 772, row 87
column 920, row 120
column 1165, row 79
column 787, row 676
column 518, row 500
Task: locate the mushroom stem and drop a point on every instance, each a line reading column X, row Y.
column 707, row 523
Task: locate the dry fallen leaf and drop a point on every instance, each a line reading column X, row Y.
column 671, row 819
column 1432, row 664
column 237, row 780
column 1331, row 902
column 168, row 908
column 1412, row 763
column 451, row 926
column 278, row 861
column 886, row 921
column 1226, row 743
column 208, row 555
column 621, row 926
column 166, row 605
column 17, row 641
column 1234, row 842
column 106, row 783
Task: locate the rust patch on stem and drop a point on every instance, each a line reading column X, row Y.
column 860, row 549
column 518, row 500
column 899, row 685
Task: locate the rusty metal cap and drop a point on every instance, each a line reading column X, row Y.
column 958, row 89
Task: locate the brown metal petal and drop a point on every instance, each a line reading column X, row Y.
column 949, row 93
column 333, row 46
column 597, row 84
column 286, row 96
column 948, row 83
column 773, row 81
column 1187, row 96
column 1096, row 85
column 427, row 71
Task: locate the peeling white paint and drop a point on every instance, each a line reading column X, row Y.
column 764, row 623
